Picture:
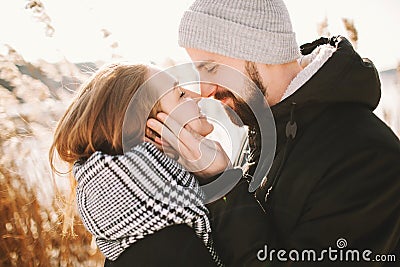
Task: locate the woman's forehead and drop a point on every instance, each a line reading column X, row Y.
column 160, row 79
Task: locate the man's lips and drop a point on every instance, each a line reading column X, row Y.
column 228, row 102
column 224, row 100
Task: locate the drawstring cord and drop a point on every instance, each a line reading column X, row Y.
column 291, row 130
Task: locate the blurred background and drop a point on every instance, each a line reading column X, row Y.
column 47, row 48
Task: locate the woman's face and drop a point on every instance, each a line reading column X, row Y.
column 175, row 103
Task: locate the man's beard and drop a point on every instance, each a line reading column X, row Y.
column 241, row 113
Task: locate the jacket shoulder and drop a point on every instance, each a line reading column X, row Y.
column 353, row 128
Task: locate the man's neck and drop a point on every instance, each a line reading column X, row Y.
column 277, row 79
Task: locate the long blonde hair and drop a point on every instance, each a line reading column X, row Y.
column 94, row 120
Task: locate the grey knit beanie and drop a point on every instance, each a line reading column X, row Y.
column 254, row 30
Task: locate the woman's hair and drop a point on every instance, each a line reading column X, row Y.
column 94, row 120
column 107, row 111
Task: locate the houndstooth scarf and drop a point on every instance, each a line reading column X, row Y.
column 122, row 199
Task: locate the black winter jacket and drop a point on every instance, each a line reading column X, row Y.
column 338, row 178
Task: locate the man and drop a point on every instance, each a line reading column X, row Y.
column 335, row 175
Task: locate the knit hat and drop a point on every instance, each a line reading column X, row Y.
column 253, row 30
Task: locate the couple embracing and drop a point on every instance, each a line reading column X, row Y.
column 139, row 179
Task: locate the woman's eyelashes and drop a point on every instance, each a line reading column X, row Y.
column 182, row 93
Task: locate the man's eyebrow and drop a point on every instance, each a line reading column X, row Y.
column 203, row 63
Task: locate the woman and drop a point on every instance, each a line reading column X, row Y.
column 135, row 202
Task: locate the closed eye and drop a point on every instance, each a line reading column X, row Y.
column 211, row 69
column 209, row 65
column 182, row 93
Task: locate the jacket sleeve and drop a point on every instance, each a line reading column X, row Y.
column 175, row 245
column 239, row 227
column 356, row 202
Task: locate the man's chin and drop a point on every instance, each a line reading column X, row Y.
column 233, row 116
column 238, row 111
column 241, row 116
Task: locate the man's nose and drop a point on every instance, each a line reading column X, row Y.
column 208, row 89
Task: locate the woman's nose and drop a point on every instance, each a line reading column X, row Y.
column 192, row 100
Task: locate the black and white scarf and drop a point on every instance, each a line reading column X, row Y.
column 122, row 199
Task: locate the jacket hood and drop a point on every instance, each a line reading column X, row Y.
column 344, row 78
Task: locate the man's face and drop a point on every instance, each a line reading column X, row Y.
column 217, row 73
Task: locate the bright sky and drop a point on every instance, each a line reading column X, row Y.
column 147, row 30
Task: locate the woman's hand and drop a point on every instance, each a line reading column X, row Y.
column 199, row 155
